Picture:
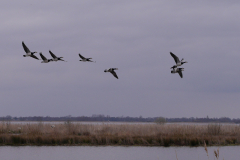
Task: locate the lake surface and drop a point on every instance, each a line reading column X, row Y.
column 106, row 123
column 115, row 153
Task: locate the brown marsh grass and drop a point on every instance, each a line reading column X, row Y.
column 119, row 134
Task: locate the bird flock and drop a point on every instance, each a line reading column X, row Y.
column 174, row 68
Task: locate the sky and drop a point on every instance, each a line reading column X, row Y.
column 134, row 36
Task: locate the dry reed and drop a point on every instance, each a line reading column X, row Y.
column 205, row 147
column 118, row 134
column 216, row 153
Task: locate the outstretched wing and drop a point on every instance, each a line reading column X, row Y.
column 53, row 55
column 81, row 56
column 25, row 48
column 33, row 56
column 114, row 74
column 42, row 56
column 180, row 73
column 175, row 57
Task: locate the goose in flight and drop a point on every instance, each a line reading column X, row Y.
column 28, row 52
column 45, row 60
column 83, row 59
column 178, row 70
column 111, row 70
column 178, row 63
column 55, row 58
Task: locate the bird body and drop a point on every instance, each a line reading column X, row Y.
column 83, row 59
column 28, row 52
column 111, row 70
column 178, row 70
column 55, row 58
column 45, row 60
column 176, row 59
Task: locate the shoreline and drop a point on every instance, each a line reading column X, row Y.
column 115, row 141
column 76, row 134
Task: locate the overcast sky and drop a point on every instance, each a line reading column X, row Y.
column 134, row 36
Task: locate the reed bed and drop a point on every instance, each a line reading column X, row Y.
column 119, row 134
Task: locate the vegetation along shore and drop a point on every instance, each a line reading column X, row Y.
column 68, row 133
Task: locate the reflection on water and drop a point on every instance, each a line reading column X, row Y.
column 115, row 153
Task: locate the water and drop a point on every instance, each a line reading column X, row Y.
column 106, row 123
column 78, row 122
column 115, row 153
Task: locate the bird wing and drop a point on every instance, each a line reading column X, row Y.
column 42, row 56
column 114, row 74
column 81, row 56
column 175, row 57
column 180, row 73
column 25, row 48
column 53, row 55
column 33, row 56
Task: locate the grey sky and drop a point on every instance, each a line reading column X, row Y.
column 135, row 36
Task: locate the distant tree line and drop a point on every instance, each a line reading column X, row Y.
column 103, row 118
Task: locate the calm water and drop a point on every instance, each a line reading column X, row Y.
column 115, row 153
column 106, row 123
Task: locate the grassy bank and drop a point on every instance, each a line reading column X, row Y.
column 116, row 134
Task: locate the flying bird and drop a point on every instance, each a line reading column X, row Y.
column 45, row 60
column 178, row 70
column 111, row 70
column 28, row 52
column 178, row 62
column 83, row 59
column 55, row 58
